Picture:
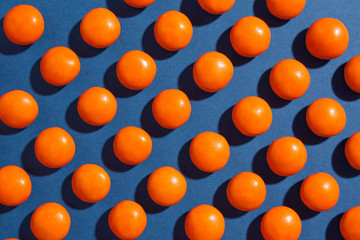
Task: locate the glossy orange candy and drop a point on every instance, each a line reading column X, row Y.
column 23, row 24
column 18, row 109
column 327, row 38
column 246, row 191
column 173, row 30
column 97, row 106
column 15, row 185
column 209, row 151
column 171, row 108
column 349, row 224
column 319, row 191
column 285, row 9
column 213, row 71
column 100, row 28
column 352, row 150
column 326, row 117
column 204, row 222
column 139, row 3
column 352, row 73
column 166, row 186
column 281, row 223
column 127, row 220
column 216, row 6
column 250, row 36
column 252, row 116
column 50, row 221
column 136, row 70
column 11, row 239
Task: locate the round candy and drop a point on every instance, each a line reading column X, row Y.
column 281, row 223
column 15, row 185
column 289, row 79
column 136, row 70
column 252, row 116
column 166, row 186
column 209, row 151
column 326, row 117
column 204, row 222
column 59, row 66
column 11, row 239
column 285, row 9
column 352, row 73
column 352, row 150
column 286, row 156
column 54, row 147
column 319, row 191
column 50, row 221
column 173, row 30
column 100, row 28
column 139, row 3
column 18, row 109
column 97, row 106
column 23, row 24
column 171, row 108
column 349, row 224
column 127, row 220
column 216, row 6
column 213, row 71
column 327, row 38
column 250, row 36
column 246, row 191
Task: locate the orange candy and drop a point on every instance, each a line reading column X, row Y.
column 97, row 106
column 171, row 108
column 139, row 3
column 127, row 220
column 285, row 9
column 90, row 183
column 289, row 79
column 352, row 73
column 100, row 28
column 204, row 222
column 18, row 109
column 246, row 191
column 23, row 25
column 250, row 36
column 213, row 71
column 286, row 156
column 209, row 151
column 327, row 38
column 11, row 239
column 216, row 6
column 173, row 30
column 326, row 117
column 252, row 116
column 50, row 221
column 166, row 186
column 54, row 147
column 319, row 191
column 15, row 185
column 281, row 223
column 349, row 224
column 136, row 70
column 352, row 150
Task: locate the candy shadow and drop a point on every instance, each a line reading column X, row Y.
column 254, row 229
column 102, row 229
column 25, row 230
column 121, row 9
column 340, row 87
column 261, row 11
column 6, row 130
column 340, row 164
column 5, row 209
column 6, row 46
column 333, row 229
column 196, row 14
column 179, row 228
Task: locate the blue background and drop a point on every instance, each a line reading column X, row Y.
column 19, row 69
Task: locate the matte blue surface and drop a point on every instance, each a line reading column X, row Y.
column 19, row 69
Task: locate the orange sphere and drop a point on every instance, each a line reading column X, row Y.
column 15, row 185
column 352, row 150
column 136, row 70
column 132, row 145
column 173, row 30
column 97, row 106
column 349, row 224
column 286, row 156
column 100, row 28
column 250, row 36
column 281, row 223
column 139, row 3
column 326, row 117
column 319, row 191
column 285, row 9
column 50, row 221
column 54, row 147
column 289, row 79
column 352, row 73
column 204, row 222
column 127, row 220
column 216, row 6
column 252, row 116
column 171, row 108
column 23, row 24
column 209, row 151
column 18, row 109
column 246, row 191
column 213, row 71
column 59, row 66
column 11, row 239
column 166, row 186
column 327, row 38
